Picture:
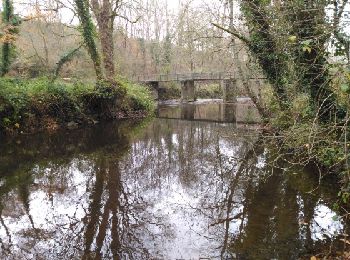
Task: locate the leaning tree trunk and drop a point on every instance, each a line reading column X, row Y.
column 264, row 48
column 306, row 19
column 312, row 63
column 87, row 25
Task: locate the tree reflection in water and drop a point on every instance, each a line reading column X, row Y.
column 174, row 190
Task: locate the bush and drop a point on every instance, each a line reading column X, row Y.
column 27, row 98
column 33, row 104
column 139, row 96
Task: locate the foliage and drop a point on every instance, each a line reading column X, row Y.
column 140, row 96
column 88, row 34
column 169, row 90
column 26, row 103
column 10, row 30
column 22, row 97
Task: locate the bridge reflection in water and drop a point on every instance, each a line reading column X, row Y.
column 168, row 189
column 217, row 111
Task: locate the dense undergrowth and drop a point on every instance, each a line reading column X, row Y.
column 30, row 105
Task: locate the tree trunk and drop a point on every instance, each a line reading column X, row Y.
column 105, row 30
column 87, row 33
column 105, row 22
column 11, row 23
column 305, row 21
column 108, row 52
column 312, row 64
column 264, row 47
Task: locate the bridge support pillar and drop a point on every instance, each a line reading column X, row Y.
column 154, row 88
column 188, row 111
column 229, row 88
column 188, row 91
column 229, row 113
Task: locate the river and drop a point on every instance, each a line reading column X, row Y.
column 189, row 184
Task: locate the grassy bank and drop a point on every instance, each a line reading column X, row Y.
column 31, row 105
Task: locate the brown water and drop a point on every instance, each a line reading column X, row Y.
column 162, row 189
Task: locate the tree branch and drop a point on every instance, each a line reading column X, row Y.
column 126, row 18
column 236, row 34
column 338, row 12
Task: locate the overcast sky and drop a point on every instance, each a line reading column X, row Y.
column 25, row 7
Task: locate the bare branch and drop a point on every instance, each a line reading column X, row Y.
column 126, row 18
column 236, row 34
column 338, row 13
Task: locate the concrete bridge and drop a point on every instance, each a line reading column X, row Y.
column 228, row 81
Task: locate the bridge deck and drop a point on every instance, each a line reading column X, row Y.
column 187, row 76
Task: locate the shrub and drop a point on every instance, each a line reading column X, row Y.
column 26, row 102
column 139, row 96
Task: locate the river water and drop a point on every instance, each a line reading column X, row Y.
column 190, row 184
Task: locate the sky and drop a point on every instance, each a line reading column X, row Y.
column 25, row 7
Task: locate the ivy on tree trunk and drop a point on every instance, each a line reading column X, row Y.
column 306, row 21
column 88, row 31
column 11, row 22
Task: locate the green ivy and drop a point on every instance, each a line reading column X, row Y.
column 11, row 21
column 88, row 32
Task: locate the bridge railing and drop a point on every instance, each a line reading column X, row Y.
column 183, row 77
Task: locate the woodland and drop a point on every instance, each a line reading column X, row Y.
column 69, row 63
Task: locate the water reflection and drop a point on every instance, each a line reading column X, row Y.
column 172, row 190
column 217, row 111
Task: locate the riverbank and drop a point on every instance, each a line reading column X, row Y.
column 33, row 105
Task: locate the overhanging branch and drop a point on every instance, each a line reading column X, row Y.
column 235, row 34
column 126, row 18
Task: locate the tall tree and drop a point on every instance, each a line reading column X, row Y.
column 88, row 29
column 288, row 40
column 105, row 12
column 10, row 29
